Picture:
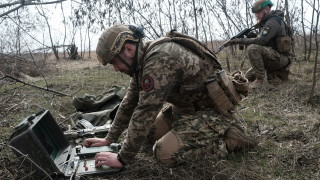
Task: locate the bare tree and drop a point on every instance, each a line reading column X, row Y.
column 311, row 32
column 54, row 48
column 24, row 3
column 303, row 28
column 18, row 44
column 195, row 17
column 317, row 12
column 65, row 31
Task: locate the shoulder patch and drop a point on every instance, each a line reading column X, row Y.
column 265, row 31
column 147, row 83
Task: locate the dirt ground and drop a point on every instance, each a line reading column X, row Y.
column 280, row 117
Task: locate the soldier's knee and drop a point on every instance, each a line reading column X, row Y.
column 163, row 122
column 165, row 148
column 252, row 48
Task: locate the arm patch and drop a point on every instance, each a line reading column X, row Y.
column 147, row 83
column 265, row 31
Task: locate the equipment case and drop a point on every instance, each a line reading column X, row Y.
column 41, row 139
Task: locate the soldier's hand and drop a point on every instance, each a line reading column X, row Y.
column 94, row 142
column 252, row 34
column 108, row 159
column 232, row 42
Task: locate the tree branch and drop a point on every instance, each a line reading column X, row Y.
column 26, row 156
column 46, row 89
column 52, row 2
column 10, row 4
column 25, row 4
column 10, row 11
column 27, row 32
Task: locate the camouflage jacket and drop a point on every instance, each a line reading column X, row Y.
column 273, row 26
column 163, row 69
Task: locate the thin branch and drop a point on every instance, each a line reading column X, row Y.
column 28, row 175
column 39, row 3
column 26, row 156
column 10, row 4
column 30, row 2
column 10, row 11
column 25, row 4
column 46, row 89
column 154, row 30
column 314, row 83
column 49, row 28
column 26, row 32
column 35, row 64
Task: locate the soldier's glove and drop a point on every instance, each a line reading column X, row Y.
column 252, row 34
column 233, row 42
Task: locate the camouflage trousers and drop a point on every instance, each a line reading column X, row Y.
column 192, row 137
column 264, row 60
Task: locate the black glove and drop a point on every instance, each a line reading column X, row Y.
column 233, row 42
column 251, row 34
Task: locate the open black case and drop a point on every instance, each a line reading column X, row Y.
column 41, row 139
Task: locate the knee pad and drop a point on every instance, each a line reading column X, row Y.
column 165, row 148
column 163, row 122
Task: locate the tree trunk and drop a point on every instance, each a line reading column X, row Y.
column 195, row 18
column 316, row 56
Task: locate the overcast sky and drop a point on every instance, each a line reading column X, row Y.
column 56, row 22
column 57, row 26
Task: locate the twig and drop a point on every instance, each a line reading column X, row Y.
column 26, row 31
column 46, row 89
column 3, row 77
column 16, row 150
column 28, row 175
column 7, row 171
column 23, row 3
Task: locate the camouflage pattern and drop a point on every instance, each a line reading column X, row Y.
column 250, row 75
column 259, row 4
column 169, row 66
column 264, row 59
column 262, row 51
column 111, row 41
column 197, row 135
column 162, row 123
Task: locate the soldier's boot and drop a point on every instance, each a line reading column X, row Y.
column 284, row 74
column 236, row 140
column 259, row 82
column 275, row 80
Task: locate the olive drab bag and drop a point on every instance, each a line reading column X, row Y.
column 228, row 90
column 286, row 43
column 96, row 110
column 225, row 91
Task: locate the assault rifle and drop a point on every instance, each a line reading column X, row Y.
column 87, row 133
column 243, row 33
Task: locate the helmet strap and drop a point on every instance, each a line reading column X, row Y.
column 123, row 61
column 133, row 67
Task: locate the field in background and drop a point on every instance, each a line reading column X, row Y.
column 287, row 127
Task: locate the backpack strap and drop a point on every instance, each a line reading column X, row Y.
column 187, row 41
column 279, row 16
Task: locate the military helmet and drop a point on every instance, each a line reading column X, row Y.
column 259, row 4
column 112, row 39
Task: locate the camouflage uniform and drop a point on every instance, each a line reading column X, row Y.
column 197, row 135
column 163, row 72
column 263, row 54
column 163, row 69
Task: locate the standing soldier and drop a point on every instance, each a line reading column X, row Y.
column 164, row 71
column 269, row 52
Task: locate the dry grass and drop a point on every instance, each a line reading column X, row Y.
column 280, row 117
